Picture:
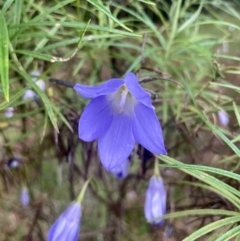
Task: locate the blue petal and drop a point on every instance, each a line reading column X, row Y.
column 147, row 207
column 95, row 119
column 73, row 212
column 147, row 130
column 116, row 145
column 121, row 171
column 72, row 234
column 57, row 229
column 102, row 89
column 136, row 90
column 75, row 238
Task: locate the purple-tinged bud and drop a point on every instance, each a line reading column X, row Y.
column 34, row 75
column 223, row 117
column 9, row 112
column 155, row 202
column 67, row 226
column 13, row 163
column 29, row 94
column 24, row 198
column 122, row 170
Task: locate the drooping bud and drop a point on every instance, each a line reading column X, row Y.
column 24, row 198
column 9, row 112
column 67, row 226
column 223, row 117
column 155, row 202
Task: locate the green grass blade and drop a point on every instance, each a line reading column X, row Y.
column 192, row 19
column 4, row 57
column 236, row 111
column 37, row 55
column 200, row 212
column 42, row 95
column 218, row 132
column 56, row 6
column 101, row 8
column 212, row 226
column 13, row 99
column 229, row 86
column 79, row 26
column 6, row 5
column 227, row 191
column 207, row 169
column 230, row 234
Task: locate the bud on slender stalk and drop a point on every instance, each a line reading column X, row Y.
column 67, row 226
column 155, row 202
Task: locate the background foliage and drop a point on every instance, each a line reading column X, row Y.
column 186, row 53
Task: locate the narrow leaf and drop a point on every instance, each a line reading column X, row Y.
column 210, row 227
column 191, row 19
column 236, row 112
column 101, row 8
column 4, row 58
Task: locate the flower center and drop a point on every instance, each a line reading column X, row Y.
column 122, row 101
column 124, row 95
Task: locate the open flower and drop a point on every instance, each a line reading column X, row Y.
column 155, row 202
column 119, row 115
column 67, row 226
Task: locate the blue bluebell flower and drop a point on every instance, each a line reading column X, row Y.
column 155, row 202
column 67, row 226
column 122, row 170
column 119, row 115
column 24, row 197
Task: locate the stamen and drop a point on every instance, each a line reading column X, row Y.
column 124, row 94
column 122, row 101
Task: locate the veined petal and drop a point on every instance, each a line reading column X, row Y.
column 136, row 90
column 116, row 145
column 72, row 234
column 95, row 119
column 102, row 89
column 66, row 225
column 147, row 130
column 57, row 229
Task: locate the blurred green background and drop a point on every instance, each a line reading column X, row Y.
column 185, row 53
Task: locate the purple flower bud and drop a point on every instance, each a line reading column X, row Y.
column 29, row 94
column 34, row 75
column 9, row 112
column 24, row 198
column 155, row 202
column 223, row 117
column 13, row 163
column 67, row 226
column 122, row 170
